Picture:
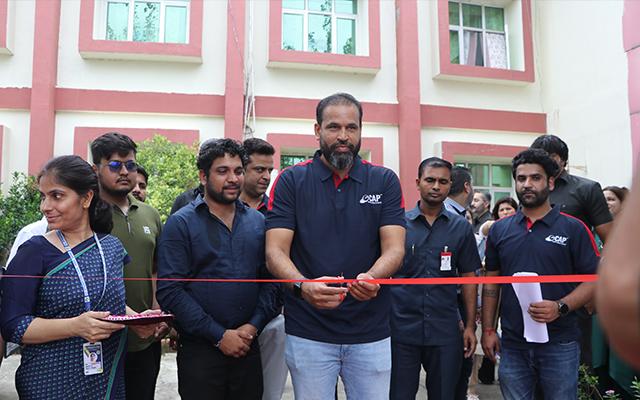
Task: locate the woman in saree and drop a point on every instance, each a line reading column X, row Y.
column 72, row 280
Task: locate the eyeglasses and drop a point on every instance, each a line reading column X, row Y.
column 116, row 166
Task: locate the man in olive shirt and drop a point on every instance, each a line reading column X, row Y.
column 137, row 225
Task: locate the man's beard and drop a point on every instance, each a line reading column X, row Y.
column 339, row 160
column 539, row 199
column 219, row 197
column 116, row 192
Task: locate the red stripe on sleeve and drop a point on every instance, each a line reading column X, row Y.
column 593, row 240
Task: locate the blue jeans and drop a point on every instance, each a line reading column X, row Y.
column 365, row 368
column 552, row 366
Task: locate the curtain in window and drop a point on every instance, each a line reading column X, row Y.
column 473, row 48
column 496, row 50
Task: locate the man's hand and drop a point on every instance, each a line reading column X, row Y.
column 234, row 343
column 250, row 330
column 544, row 311
column 146, row 331
column 490, row 344
column 470, row 341
column 362, row 290
column 162, row 329
column 320, row 295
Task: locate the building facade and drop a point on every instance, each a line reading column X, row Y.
column 472, row 81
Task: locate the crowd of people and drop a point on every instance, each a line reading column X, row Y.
column 330, row 228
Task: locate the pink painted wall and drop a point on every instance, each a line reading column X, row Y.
column 631, row 40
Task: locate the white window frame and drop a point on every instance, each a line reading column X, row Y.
column 461, row 28
column 101, row 18
column 357, row 18
column 490, row 189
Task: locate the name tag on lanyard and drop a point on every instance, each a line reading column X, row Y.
column 92, row 357
column 445, row 259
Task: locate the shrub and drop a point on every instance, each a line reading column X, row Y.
column 172, row 170
column 20, row 207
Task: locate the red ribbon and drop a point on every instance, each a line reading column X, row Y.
column 388, row 281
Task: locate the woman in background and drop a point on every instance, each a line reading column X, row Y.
column 73, row 279
column 612, row 372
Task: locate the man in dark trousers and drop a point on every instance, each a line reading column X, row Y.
column 218, row 237
column 137, row 225
column 542, row 240
column 425, row 322
column 583, row 199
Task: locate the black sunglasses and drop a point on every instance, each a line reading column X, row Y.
column 116, row 166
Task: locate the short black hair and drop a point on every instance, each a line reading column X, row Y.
column 109, row 143
column 552, row 145
column 459, row 176
column 337, row 99
column 535, row 156
column 433, row 162
column 216, row 148
column 143, row 172
column 486, row 195
column 258, row 146
column 503, row 200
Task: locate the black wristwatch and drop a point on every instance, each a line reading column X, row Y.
column 563, row 309
column 297, row 289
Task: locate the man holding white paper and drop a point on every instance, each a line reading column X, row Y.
column 538, row 239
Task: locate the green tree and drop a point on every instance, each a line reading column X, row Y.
column 20, row 207
column 172, row 170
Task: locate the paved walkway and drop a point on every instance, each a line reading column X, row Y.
column 167, row 388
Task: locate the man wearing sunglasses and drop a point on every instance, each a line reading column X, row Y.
column 137, row 225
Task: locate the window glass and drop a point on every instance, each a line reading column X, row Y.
column 454, row 13
column 117, row 21
column 472, row 16
column 480, row 173
column 346, row 40
column 293, row 4
column 289, row 160
column 175, row 24
column 501, row 175
column 347, row 6
column 320, row 5
column 494, row 18
column 319, row 35
column 499, row 195
column 146, row 21
column 454, row 47
column 292, row 31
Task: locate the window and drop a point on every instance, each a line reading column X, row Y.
column 287, row 160
column 492, row 178
column 478, row 35
column 160, row 21
column 322, row 26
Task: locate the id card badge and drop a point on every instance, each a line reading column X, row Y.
column 445, row 260
column 92, row 357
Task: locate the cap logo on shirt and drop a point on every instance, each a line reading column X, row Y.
column 371, row 199
column 557, row 239
column 146, row 230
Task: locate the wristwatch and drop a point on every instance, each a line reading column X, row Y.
column 297, row 289
column 563, row 309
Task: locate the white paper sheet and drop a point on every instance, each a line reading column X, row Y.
column 528, row 293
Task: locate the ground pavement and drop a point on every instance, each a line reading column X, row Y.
column 167, row 388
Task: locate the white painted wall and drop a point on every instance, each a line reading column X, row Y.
column 146, row 76
column 494, row 96
column 15, row 148
column 388, row 133
column 314, row 84
column 584, row 85
column 66, row 122
column 16, row 69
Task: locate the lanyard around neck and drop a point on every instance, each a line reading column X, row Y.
column 85, row 291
